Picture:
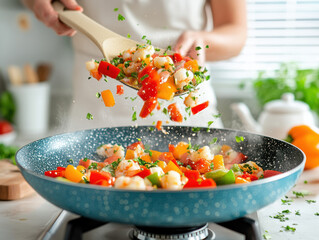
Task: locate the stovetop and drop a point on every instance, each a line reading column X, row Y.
column 69, row 226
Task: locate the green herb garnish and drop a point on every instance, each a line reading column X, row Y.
column 89, row 116
column 120, row 17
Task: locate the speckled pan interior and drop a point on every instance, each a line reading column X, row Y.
column 161, row 207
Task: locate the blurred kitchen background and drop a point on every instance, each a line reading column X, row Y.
column 283, row 36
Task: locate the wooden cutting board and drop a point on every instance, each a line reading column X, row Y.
column 12, row 184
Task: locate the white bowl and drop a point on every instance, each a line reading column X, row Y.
column 8, row 138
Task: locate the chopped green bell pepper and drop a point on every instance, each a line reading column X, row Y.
column 154, row 179
column 215, row 174
column 228, row 178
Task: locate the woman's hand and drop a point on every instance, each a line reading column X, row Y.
column 191, row 44
column 44, row 11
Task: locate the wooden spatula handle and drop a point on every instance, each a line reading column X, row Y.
column 79, row 21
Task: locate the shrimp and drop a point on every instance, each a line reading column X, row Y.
column 157, row 170
column 127, row 168
column 108, row 150
column 164, row 62
column 191, row 100
column 128, row 54
column 172, row 181
column 134, row 183
column 182, row 78
column 91, row 65
column 251, row 168
column 202, row 153
column 133, row 67
column 143, row 53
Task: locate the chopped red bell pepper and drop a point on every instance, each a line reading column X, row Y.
column 96, row 176
column 192, row 183
column 177, row 57
column 148, row 90
column 108, row 69
column 192, row 174
column 171, row 148
column 54, row 173
column 144, row 173
column 174, row 113
column 86, row 162
column 199, row 107
column 119, row 89
column 248, row 177
column 270, row 173
column 149, row 105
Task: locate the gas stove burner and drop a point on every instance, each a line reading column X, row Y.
column 183, row 233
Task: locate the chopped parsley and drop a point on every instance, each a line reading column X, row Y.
column 128, row 35
column 207, row 46
column 134, row 118
column 70, row 161
column 281, row 216
column 145, row 76
column 98, row 95
column 115, row 9
column 120, row 17
column 165, row 111
column 286, row 201
column 297, row 212
column 266, row 235
column 144, row 37
column 146, row 164
column 316, row 214
column 213, row 141
column 93, row 166
column 299, row 194
column 288, row 228
column 196, row 129
column 311, row 201
column 133, row 98
column 89, row 116
column 198, row 48
column 305, row 182
column 239, row 139
column 210, row 123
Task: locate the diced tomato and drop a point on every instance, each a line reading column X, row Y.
column 108, row 69
column 270, row 173
column 199, row 107
column 248, row 177
column 96, row 176
column 191, row 174
column 159, row 125
column 202, row 165
column 119, row 89
column 174, row 113
column 5, row 127
column 177, row 57
column 54, row 173
column 133, row 146
column 144, row 173
column 148, row 107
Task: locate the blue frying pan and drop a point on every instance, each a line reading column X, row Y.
column 159, row 208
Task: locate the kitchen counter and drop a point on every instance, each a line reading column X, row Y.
column 28, row 218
